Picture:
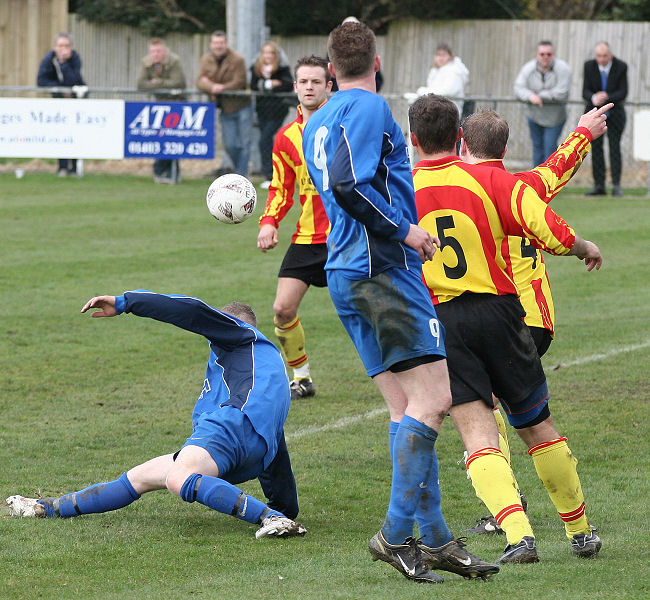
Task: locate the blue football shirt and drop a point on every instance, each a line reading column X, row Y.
column 356, row 156
column 245, row 370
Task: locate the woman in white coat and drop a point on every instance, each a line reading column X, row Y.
column 448, row 77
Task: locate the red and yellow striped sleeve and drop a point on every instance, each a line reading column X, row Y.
column 551, row 176
column 529, row 216
column 289, row 169
column 283, row 183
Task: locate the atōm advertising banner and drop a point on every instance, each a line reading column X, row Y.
column 169, row 130
column 61, row 128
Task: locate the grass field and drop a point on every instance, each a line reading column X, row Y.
column 83, row 400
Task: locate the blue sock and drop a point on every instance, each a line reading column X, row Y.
column 97, row 498
column 412, row 463
column 392, row 432
column 432, row 527
column 220, row 495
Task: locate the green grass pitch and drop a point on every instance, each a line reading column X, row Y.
column 82, row 400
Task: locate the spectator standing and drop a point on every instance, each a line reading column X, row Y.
column 270, row 76
column 544, row 84
column 162, row 69
column 605, row 80
column 61, row 67
column 222, row 71
column 448, row 77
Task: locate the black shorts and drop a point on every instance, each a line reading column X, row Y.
column 489, row 350
column 305, row 262
column 542, row 338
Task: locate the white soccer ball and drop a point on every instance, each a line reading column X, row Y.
column 231, row 198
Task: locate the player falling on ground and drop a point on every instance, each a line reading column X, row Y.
column 238, row 424
column 304, row 261
column 485, row 138
column 356, row 156
column 472, row 209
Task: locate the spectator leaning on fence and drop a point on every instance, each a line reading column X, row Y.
column 162, row 70
column 605, row 80
column 61, row 67
column 544, row 84
column 270, row 75
column 223, row 70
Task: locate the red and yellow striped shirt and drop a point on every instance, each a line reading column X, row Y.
column 288, row 169
column 472, row 210
column 526, row 261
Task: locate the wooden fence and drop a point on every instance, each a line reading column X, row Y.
column 493, row 51
column 27, row 30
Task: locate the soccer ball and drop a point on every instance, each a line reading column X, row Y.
column 231, row 198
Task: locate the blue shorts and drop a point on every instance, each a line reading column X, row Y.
column 389, row 317
column 231, row 441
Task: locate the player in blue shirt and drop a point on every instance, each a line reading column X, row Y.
column 356, row 157
column 238, row 424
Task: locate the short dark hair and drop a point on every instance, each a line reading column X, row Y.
column 352, row 49
column 486, row 134
column 544, row 43
column 218, row 33
column 241, row 311
column 312, row 61
column 434, row 121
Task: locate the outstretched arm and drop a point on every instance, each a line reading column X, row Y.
column 552, row 175
column 185, row 312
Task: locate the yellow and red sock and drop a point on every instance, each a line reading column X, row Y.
column 291, row 336
column 557, row 469
column 495, row 485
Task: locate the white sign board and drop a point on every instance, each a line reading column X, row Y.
column 61, row 128
column 642, row 135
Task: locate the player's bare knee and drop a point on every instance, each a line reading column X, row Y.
column 175, row 480
column 283, row 313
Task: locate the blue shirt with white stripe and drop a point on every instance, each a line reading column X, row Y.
column 356, row 156
column 245, row 370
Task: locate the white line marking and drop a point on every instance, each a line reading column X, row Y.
column 595, row 357
column 345, row 421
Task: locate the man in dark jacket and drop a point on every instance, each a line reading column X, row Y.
column 605, row 80
column 61, row 67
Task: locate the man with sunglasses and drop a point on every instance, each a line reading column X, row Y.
column 543, row 83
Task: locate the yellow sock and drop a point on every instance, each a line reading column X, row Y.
column 503, row 440
column 292, row 340
column 557, row 468
column 494, row 484
column 503, row 434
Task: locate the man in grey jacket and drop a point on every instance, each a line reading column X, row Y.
column 543, row 83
